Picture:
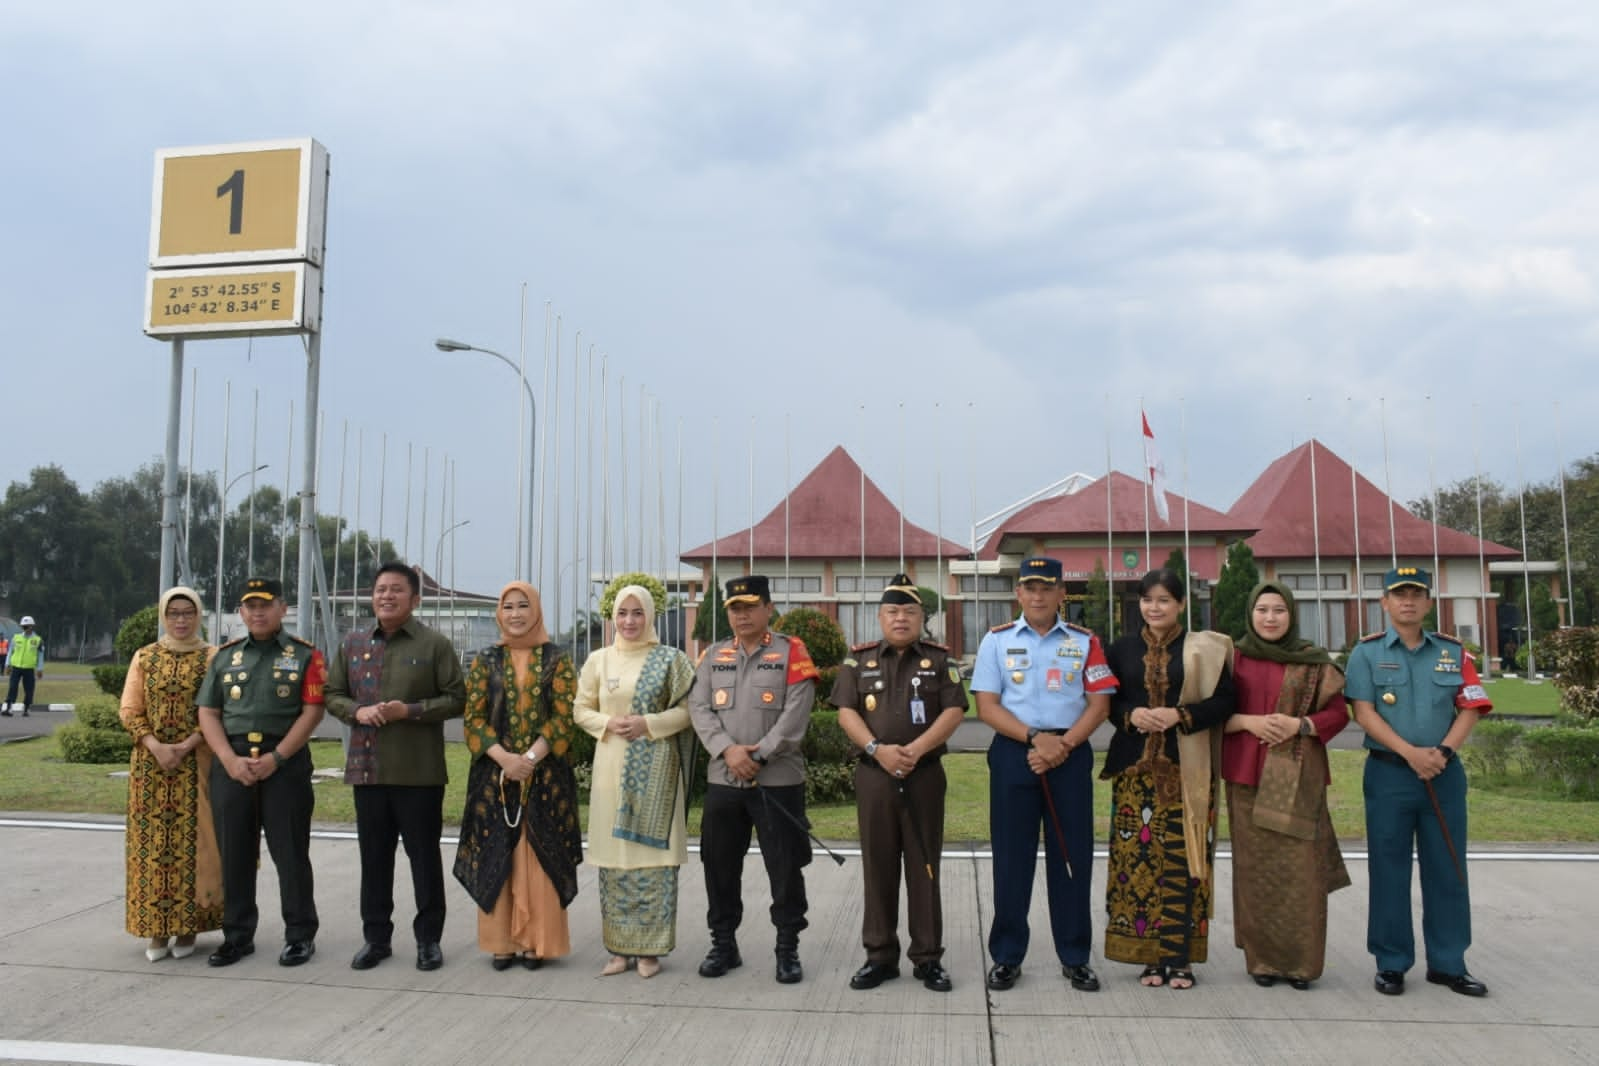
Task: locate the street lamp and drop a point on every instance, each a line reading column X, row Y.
column 445, row 344
column 438, row 572
column 222, row 535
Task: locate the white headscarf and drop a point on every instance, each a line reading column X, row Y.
column 646, row 601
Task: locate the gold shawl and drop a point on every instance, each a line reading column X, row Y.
column 1205, row 656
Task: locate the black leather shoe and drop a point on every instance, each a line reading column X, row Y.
column 1299, row 984
column 1390, row 982
column 1083, row 977
column 503, row 962
column 933, row 976
column 370, row 955
column 228, row 954
column 1001, row 976
column 1264, row 980
column 720, row 959
column 1461, row 982
column 789, row 970
column 296, row 953
column 871, row 975
column 429, row 956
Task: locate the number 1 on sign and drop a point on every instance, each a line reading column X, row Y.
column 234, row 187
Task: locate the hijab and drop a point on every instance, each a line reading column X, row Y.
column 1291, row 647
column 646, row 601
column 536, row 634
column 167, row 640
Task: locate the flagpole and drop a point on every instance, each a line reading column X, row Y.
column 901, row 569
column 1182, row 415
column 1482, row 567
column 716, row 499
column 788, row 490
column 678, row 558
column 283, row 540
column 1110, row 536
column 938, row 531
column 860, row 587
column 552, row 407
column 605, row 466
column 1526, row 572
column 543, row 431
column 582, row 590
column 1149, row 486
column 977, row 572
column 1388, row 485
column 1432, row 495
column 643, row 471
column 752, row 495
column 1315, row 530
column 621, row 451
column 1570, row 613
column 1354, row 510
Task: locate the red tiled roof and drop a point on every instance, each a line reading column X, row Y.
column 824, row 522
column 1278, row 503
column 1083, row 513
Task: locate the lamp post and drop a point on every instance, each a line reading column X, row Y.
column 438, row 572
column 222, row 535
column 445, row 344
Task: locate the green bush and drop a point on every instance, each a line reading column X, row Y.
column 832, row 783
column 830, row 760
column 1570, row 756
column 823, row 637
column 81, row 744
column 827, row 677
column 1573, row 658
column 140, row 629
column 100, row 712
column 657, row 592
column 110, row 677
column 1493, row 745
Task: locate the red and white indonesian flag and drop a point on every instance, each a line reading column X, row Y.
column 1157, row 470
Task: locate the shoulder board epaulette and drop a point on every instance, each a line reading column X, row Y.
column 301, row 640
column 1001, row 628
column 1371, row 636
column 1075, row 628
column 862, row 646
column 1450, row 637
column 231, row 643
column 935, row 645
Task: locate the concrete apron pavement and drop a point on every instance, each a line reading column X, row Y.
column 70, row 974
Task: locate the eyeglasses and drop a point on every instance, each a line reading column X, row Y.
column 183, row 616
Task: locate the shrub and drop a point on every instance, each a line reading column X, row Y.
column 101, row 712
column 827, row 677
column 1494, row 743
column 1570, row 756
column 822, row 636
column 81, row 744
column 1573, row 657
column 829, row 760
column 140, row 629
column 110, row 677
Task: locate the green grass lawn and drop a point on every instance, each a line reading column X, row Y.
column 34, row 778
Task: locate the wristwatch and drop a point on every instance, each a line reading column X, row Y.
column 870, row 749
column 1446, row 751
column 1032, row 733
column 759, row 758
column 1305, row 728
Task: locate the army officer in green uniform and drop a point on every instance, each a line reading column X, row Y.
column 259, row 702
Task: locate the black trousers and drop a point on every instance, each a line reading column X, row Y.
column 726, row 820
column 281, row 805
column 384, row 816
column 22, row 675
column 902, row 826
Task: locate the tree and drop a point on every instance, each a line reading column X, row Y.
column 53, row 558
column 712, row 609
column 1178, row 562
column 1229, row 600
column 1096, row 609
column 823, row 637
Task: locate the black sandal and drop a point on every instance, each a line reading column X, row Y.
column 1156, row 972
column 1181, row 974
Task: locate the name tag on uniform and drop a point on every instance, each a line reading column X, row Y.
column 1052, row 680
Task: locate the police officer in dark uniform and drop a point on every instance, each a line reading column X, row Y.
column 899, row 699
column 1417, row 696
column 750, row 705
column 259, row 703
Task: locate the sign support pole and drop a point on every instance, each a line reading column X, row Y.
column 169, row 478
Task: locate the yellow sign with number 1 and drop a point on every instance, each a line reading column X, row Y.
column 259, row 202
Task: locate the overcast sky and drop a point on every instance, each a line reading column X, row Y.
column 956, row 238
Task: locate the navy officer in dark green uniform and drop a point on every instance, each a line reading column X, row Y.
column 259, row 702
column 1417, row 696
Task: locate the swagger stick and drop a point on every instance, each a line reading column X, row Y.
column 1054, row 820
column 801, row 826
column 1443, row 827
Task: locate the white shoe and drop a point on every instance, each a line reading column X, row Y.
column 181, row 951
column 157, row 954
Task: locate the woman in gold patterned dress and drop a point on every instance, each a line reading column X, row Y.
column 1174, row 692
column 520, row 841
column 174, row 873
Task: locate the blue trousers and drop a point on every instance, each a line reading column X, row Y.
column 1400, row 823
column 1017, row 813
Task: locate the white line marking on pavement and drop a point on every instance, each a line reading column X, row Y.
column 128, row 1055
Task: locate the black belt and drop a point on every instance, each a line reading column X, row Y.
column 243, row 742
column 1386, row 756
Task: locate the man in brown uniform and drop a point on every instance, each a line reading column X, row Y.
column 899, row 699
